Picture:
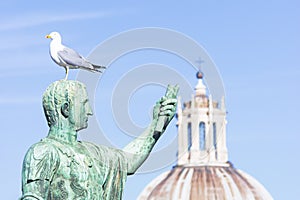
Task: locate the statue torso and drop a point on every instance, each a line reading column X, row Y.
column 79, row 175
column 77, row 171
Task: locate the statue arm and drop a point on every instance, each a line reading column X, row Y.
column 139, row 149
column 39, row 166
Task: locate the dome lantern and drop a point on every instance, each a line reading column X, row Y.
column 201, row 130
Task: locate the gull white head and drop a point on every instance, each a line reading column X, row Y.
column 54, row 36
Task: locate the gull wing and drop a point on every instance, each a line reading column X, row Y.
column 74, row 59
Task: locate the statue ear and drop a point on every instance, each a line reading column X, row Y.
column 65, row 110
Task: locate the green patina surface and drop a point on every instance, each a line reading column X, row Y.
column 61, row 167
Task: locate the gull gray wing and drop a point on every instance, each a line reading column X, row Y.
column 71, row 57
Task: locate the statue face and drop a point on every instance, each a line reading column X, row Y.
column 80, row 110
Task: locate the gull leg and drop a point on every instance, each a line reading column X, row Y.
column 67, row 72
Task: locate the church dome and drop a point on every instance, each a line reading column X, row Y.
column 203, row 170
column 205, row 183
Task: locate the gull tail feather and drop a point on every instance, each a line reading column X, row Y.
column 91, row 69
column 98, row 66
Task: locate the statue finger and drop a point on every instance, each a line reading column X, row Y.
column 167, row 107
column 169, row 101
column 166, row 113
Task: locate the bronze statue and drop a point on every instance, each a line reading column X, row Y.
column 61, row 167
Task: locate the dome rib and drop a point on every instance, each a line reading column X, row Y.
column 205, row 182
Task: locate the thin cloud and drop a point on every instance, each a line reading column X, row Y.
column 36, row 19
column 19, row 100
column 12, row 43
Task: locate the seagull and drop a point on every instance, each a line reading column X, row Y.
column 67, row 57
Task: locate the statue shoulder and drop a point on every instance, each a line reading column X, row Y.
column 104, row 153
column 40, row 163
column 97, row 147
column 42, row 150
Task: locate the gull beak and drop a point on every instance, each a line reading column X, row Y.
column 47, row 36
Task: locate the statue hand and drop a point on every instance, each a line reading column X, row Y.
column 164, row 109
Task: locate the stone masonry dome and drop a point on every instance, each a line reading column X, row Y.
column 203, row 170
column 205, row 182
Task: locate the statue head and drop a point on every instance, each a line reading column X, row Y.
column 66, row 105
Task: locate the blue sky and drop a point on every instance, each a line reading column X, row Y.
column 255, row 45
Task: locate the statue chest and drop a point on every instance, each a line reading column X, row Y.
column 78, row 175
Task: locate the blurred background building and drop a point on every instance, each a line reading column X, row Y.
column 203, row 170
